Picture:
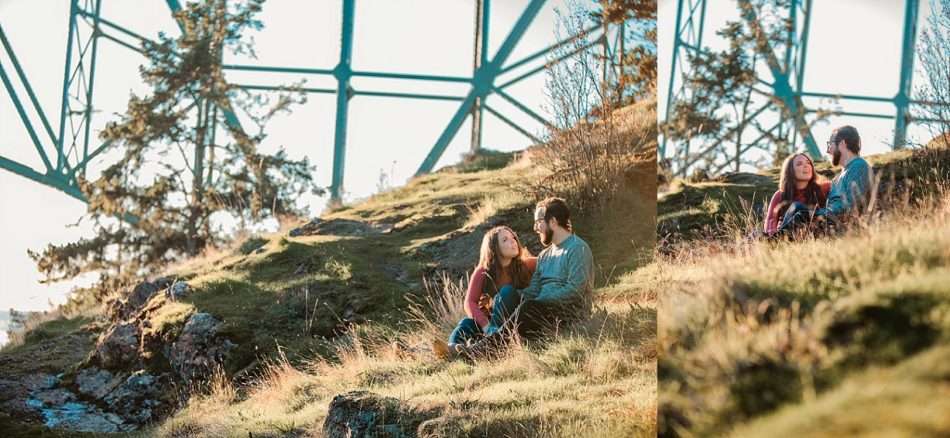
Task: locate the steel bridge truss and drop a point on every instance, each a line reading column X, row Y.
column 782, row 89
column 71, row 141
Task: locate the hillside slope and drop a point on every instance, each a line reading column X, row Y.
column 843, row 336
column 349, row 302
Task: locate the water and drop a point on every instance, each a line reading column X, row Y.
column 77, row 416
column 61, row 409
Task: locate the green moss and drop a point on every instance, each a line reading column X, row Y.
column 55, row 328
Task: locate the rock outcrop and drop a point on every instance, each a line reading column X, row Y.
column 199, row 349
column 118, row 346
column 362, row 413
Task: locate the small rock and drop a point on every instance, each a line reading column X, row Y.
column 96, row 383
column 54, row 397
column 118, row 346
column 199, row 349
column 178, row 290
column 139, row 398
column 362, row 413
column 305, row 229
column 124, row 307
column 359, row 413
column 334, row 227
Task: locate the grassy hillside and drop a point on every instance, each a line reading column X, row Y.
column 687, row 210
column 352, row 301
column 844, row 336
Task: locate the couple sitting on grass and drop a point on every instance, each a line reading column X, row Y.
column 803, row 202
column 510, row 292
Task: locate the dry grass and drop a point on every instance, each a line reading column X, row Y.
column 597, row 378
column 784, row 333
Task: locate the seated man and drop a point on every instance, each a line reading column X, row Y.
column 560, row 289
column 851, row 189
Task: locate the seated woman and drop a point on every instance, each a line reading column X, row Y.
column 503, row 263
column 800, row 193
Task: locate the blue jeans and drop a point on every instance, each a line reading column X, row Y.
column 796, row 216
column 506, row 301
column 466, row 330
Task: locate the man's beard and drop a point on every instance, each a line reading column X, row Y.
column 546, row 237
column 836, row 157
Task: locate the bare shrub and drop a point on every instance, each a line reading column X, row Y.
column 593, row 143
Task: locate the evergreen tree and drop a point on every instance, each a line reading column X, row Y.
column 177, row 172
column 722, row 91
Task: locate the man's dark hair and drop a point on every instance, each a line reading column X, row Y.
column 556, row 208
column 850, row 136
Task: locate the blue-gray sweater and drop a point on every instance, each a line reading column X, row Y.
column 850, row 189
column 564, row 273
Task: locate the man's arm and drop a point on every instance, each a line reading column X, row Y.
column 852, row 189
column 580, row 266
column 534, row 287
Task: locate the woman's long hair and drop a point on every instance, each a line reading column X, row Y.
column 813, row 193
column 490, row 260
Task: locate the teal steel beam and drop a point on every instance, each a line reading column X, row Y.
column 353, row 92
column 714, row 145
column 269, row 69
column 385, row 75
column 803, row 48
column 481, row 85
column 175, row 6
column 856, row 114
column 523, row 108
column 55, row 181
column 848, row 97
column 24, row 118
column 88, row 158
column 783, row 90
column 64, row 107
column 122, row 43
column 343, row 72
column 90, row 85
column 539, row 68
column 549, row 49
column 230, row 118
column 112, row 25
column 902, row 99
column 26, row 85
column 409, row 95
column 790, row 36
column 479, row 58
column 747, row 147
column 281, row 88
column 512, row 124
column 353, row 73
column 677, row 41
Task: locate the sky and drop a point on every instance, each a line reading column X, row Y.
column 386, row 137
column 854, row 48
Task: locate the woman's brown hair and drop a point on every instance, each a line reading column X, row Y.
column 490, row 260
column 813, row 193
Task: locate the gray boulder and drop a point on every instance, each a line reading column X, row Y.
column 365, row 414
column 198, row 349
column 118, row 346
column 96, row 383
column 139, row 399
column 177, row 290
column 134, row 299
